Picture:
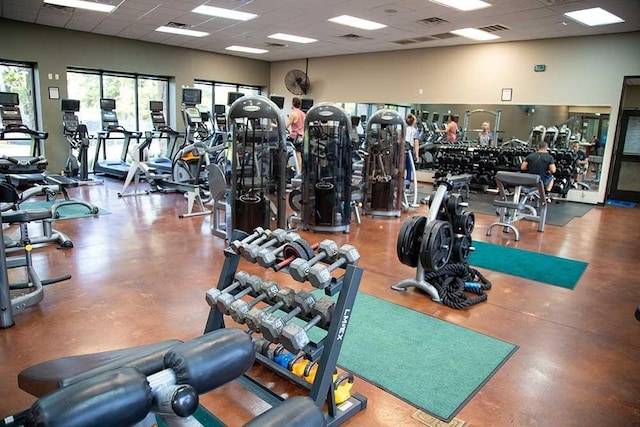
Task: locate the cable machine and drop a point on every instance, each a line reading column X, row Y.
column 326, row 169
column 258, row 163
column 384, row 164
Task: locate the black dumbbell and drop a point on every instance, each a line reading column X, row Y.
column 239, row 279
column 250, row 252
column 239, row 308
column 284, row 299
column 271, row 325
column 267, row 257
column 252, row 286
column 299, row 268
column 236, row 244
column 294, row 337
column 320, row 274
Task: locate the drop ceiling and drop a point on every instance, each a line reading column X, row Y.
column 410, row 23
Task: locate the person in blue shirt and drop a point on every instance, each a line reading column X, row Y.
column 485, row 137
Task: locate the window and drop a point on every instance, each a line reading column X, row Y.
column 216, row 92
column 131, row 92
column 17, row 77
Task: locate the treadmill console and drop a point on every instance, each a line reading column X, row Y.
column 193, row 116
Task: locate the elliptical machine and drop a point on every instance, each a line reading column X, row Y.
column 77, row 165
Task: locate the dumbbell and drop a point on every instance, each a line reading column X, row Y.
column 294, row 337
column 265, row 236
column 252, row 286
column 271, row 325
column 283, row 298
column 236, row 244
column 240, row 278
column 239, row 308
column 267, row 257
column 320, row 274
column 250, row 252
column 299, row 268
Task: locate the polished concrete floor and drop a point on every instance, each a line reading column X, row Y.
column 141, row 273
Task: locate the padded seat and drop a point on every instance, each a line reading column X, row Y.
column 51, row 375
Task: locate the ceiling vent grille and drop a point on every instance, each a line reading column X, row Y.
column 276, row 45
column 180, row 25
column 432, row 21
column 493, row 28
column 64, row 9
column 444, row 36
column 352, row 37
column 414, row 40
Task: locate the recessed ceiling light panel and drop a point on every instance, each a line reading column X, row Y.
column 246, row 49
column 224, row 13
column 352, row 21
column 464, row 5
column 181, row 31
column 475, row 34
column 594, row 17
column 292, row 38
column 80, row 4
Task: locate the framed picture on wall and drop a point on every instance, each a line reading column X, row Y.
column 54, row 93
column 507, row 94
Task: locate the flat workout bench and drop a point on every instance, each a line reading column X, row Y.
column 513, row 206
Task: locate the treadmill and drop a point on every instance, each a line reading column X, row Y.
column 117, row 168
column 162, row 131
column 20, row 171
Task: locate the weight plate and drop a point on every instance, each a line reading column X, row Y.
column 437, row 245
column 461, row 248
column 299, row 249
column 409, row 240
column 295, row 200
column 454, row 206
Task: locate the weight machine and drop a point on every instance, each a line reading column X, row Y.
column 496, row 124
column 384, row 164
column 326, row 169
column 258, row 163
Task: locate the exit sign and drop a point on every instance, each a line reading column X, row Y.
column 539, row 68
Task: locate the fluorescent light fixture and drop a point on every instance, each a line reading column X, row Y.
column 246, row 49
column 475, row 34
column 352, row 21
column 181, row 31
column 464, row 5
column 224, row 13
column 290, row 38
column 80, row 4
column 595, row 16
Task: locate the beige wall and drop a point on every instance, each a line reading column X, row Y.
column 54, row 49
column 581, row 71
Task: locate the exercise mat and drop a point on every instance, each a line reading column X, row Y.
column 70, row 211
column 205, row 418
column 543, row 268
column 429, row 363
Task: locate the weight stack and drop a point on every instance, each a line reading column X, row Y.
column 380, row 195
column 251, row 212
column 325, row 206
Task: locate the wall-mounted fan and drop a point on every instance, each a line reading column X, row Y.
column 297, row 82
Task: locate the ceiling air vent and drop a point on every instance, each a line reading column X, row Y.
column 432, row 21
column 276, row 45
column 353, row 37
column 493, row 28
column 443, row 36
column 405, row 42
column 174, row 24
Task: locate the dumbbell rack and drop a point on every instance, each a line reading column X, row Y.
column 325, row 352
